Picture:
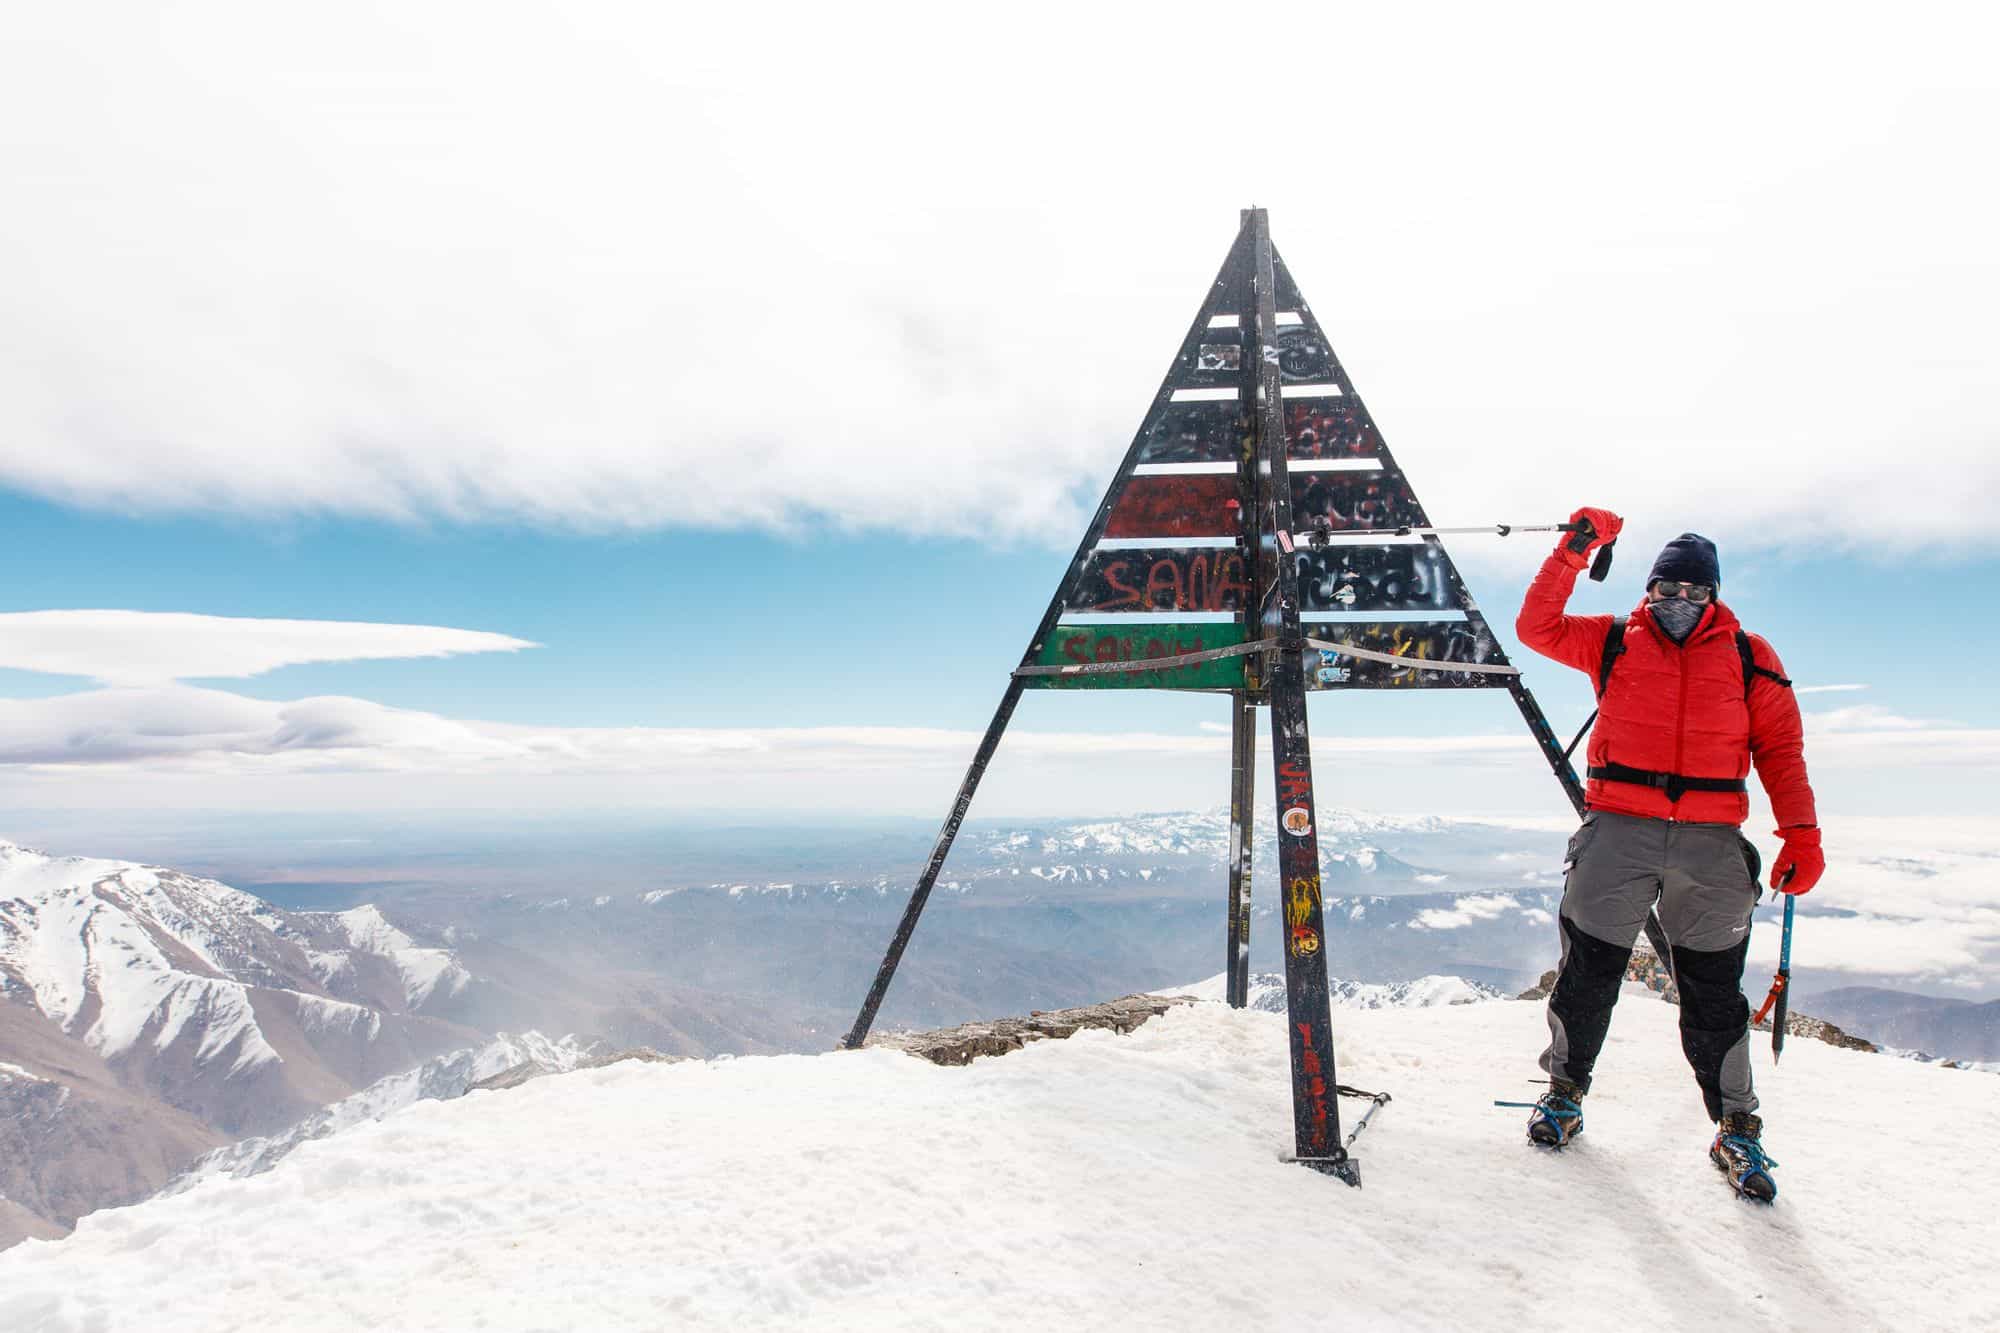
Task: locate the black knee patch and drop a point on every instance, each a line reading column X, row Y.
column 1714, row 1013
column 1586, row 989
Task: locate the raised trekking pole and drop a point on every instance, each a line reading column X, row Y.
column 1585, row 534
column 1776, row 1002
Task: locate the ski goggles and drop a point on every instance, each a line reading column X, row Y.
column 1694, row 592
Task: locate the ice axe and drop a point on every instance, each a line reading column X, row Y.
column 1584, row 532
column 1775, row 1003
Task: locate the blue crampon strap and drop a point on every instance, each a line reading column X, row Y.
column 1560, row 1102
column 1753, row 1150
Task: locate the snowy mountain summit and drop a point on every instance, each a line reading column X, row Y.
column 869, row 1189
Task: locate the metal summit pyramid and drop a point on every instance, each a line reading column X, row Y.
column 1257, row 542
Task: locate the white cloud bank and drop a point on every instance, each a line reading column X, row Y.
column 716, row 270
column 153, row 647
column 184, row 729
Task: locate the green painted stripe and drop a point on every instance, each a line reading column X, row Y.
column 1073, row 644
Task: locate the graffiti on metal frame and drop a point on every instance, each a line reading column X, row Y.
column 1326, row 428
column 1303, row 356
column 1077, row 645
column 1377, row 578
column 1316, row 1088
column 1301, row 900
column 1162, row 579
column 1219, row 356
column 1435, row 641
column 1196, row 433
column 1177, row 506
column 1353, row 502
column 1177, row 542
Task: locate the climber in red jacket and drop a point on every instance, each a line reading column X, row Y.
column 1688, row 703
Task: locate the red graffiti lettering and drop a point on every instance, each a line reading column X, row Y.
column 1164, row 589
column 1127, row 595
column 1316, row 1087
column 1294, row 781
column 1230, row 581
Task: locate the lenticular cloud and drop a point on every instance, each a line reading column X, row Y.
column 153, row 648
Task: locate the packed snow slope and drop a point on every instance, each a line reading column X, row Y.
column 1103, row 1182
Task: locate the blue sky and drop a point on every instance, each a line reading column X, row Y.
column 776, row 447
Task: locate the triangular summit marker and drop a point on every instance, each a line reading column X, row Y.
column 1254, row 541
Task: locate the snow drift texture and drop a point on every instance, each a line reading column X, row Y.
column 1100, row 1182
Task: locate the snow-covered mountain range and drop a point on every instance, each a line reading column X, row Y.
column 147, row 1015
column 1267, row 992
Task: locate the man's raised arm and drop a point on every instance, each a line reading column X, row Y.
column 1576, row 641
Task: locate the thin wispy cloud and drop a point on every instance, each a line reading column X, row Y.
column 264, row 261
column 153, row 647
column 1826, row 689
column 217, row 730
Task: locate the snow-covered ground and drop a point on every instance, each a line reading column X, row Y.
column 1102, row 1182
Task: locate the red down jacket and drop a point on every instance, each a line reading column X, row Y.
column 1677, row 708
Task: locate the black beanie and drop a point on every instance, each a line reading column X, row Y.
column 1689, row 558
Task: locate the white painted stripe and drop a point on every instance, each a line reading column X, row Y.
column 1182, row 469
column 1290, row 317
column 1333, row 465
column 1127, row 619
column 1310, row 618
column 1222, row 321
column 1217, row 395
column 1180, row 543
column 1310, row 391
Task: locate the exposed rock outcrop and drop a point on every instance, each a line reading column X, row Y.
column 966, row 1042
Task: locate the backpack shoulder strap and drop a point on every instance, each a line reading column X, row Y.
column 1750, row 668
column 1614, row 646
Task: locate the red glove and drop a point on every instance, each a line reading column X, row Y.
column 1801, row 864
column 1604, row 528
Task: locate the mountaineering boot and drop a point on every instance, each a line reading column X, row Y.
column 1739, row 1154
column 1558, row 1116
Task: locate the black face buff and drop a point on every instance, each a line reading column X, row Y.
column 1677, row 616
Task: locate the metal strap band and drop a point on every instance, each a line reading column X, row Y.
column 1149, row 663
column 1349, row 650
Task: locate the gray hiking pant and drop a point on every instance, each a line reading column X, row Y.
column 1700, row 876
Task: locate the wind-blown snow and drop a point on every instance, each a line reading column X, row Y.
column 1113, row 1182
column 439, row 1078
